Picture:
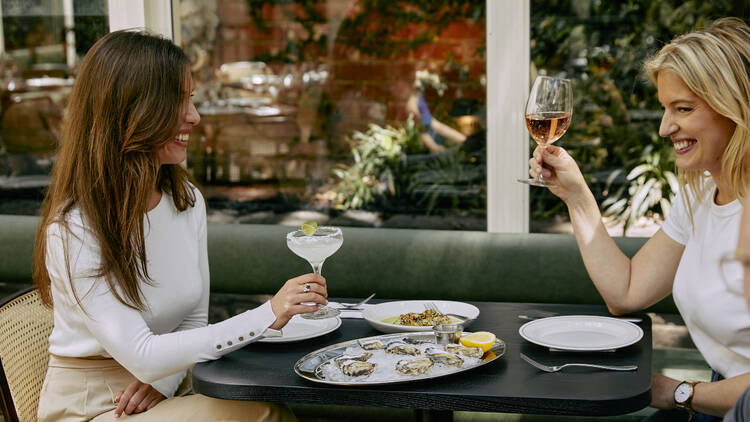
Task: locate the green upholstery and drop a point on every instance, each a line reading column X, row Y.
column 16, row 247
column 394, row 263
column 404, row 264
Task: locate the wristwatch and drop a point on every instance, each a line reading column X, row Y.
column 683, row 395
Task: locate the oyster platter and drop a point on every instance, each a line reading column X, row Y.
column 392, row 358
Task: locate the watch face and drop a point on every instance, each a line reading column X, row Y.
column 682, row 393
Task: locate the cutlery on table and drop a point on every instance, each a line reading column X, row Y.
column 635, row 320
column 355, row 305
column 555, row 368
column 431, row 306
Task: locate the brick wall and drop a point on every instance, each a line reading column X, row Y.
column 361, row 88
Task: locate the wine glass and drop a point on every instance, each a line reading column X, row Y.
column 548, row 113
column 315, row 248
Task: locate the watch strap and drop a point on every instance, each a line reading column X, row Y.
column 688, row 404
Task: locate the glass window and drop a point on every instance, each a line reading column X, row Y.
column 43, row 41
column 601, row 45
column 348, row 112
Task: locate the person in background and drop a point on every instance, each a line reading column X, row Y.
column 704, row 86
column 121, row 253
column 438, row 135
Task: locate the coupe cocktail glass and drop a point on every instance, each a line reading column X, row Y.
column 315, row 248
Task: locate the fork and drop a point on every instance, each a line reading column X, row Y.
column 358, row 304
column 430, row 306
column 555, row 368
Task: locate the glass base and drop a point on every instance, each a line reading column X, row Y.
column 323, row 312
column 535, row 182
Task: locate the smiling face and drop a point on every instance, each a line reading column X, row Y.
column 699, row 134
column 175, row 151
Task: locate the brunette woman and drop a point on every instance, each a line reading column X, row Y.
column 121, row 256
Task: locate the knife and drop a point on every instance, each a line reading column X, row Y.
column 634, row 320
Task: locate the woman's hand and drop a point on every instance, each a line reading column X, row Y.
column 662, row 391
column 286, row 303
column 561, row 171
column 136, row 398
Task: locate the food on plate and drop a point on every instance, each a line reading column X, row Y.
column 356, row 368
column 411, row 340
column 372, row 345
column 439, row 356
column 414, row 367
column 482, row 339
column 361, row 357
column 398, row 348
column 459, row 349
column 395, row 358
column 427, row 318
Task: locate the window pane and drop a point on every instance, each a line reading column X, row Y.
column 43, row 42
column 601, row 45
column 348, row 112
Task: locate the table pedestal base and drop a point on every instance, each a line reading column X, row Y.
column 423, row 415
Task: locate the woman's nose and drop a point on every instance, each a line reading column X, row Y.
column 667, row 126
column 192, row 115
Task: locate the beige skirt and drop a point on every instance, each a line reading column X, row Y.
column 76, row 390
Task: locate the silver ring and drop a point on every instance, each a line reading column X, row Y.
column 307, row 288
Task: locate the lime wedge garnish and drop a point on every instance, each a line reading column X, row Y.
column 309, row 228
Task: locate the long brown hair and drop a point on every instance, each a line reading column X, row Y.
column 125, row 106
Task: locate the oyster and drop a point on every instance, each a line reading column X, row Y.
column 372, row 345
column 439, row 356
column 361, row 357
column 356, row 368
column 472, row 352
column 412, row 340
column 398, row 348
column 414, row 367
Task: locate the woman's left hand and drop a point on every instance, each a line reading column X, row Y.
column 136, row 398
column 662, row 392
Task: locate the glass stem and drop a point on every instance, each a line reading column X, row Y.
column 539, row 177
column 317, row 267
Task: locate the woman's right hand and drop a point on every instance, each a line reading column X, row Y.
column 560, row 170
column 287, row 301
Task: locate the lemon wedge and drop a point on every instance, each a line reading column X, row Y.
column 309, row 228
column 482, row 339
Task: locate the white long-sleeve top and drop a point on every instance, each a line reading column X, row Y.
column 157, row 345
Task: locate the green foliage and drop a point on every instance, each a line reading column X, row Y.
column 377, row 154
column 649, row 188
column 448, row 180
column 602, row 46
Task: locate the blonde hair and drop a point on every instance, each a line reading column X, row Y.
column 124, row 107
column 715, row 64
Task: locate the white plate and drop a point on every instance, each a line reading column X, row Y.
column 374, row 314
column 299, row 328
column 581, row 333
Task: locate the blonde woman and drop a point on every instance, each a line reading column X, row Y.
column 703, row 84
column 121, row 254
